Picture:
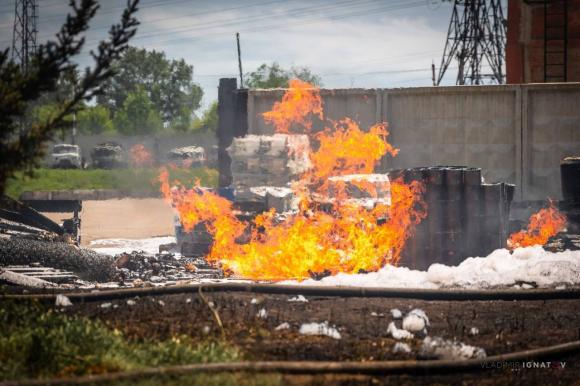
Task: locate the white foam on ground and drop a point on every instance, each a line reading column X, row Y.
column 499, row 269
column 319, row 329
column 115, row 246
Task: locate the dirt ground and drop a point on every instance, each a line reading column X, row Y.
column 504, row 326
column 128, row 218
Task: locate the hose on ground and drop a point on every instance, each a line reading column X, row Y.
column 315, row 367
column 365, row 292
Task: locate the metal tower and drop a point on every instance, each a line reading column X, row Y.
column 24, row 32
column 476, row 39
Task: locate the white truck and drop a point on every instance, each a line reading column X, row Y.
column 66, row 156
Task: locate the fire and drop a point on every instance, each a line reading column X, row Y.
column 300, row 102
column 348, row 150
column 543, row 225
column 140, row 156
column 347, row 237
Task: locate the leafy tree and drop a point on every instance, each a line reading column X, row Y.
column 169, row 84
column 94, row 120
column 22, row 146
column 48, row 111
column 137, row 115
column 274, row 76
column 209, row 119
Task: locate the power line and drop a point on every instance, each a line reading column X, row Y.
column 296, row 12
column 279, row 26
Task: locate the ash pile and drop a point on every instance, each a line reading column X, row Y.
column 141, row 269
column 36, row 252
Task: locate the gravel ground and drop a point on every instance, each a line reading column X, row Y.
column 501, row 326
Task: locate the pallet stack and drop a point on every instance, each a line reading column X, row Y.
column 274, row 160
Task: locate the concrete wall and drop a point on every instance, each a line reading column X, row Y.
column 515, row 133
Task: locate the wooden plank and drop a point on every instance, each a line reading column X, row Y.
column 24, row 280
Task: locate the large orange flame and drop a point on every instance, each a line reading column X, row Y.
column 300, row 102
column 543, row 225
column 140, row 156
column 347, row 237
column 348, row 150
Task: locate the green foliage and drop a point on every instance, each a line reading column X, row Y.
column 38, row 343
column 274, row 76
column 209, row 119
column 47, row 112
column 140, row 181
column 94, row 120
column 137, row 115
column 168, row 84
column 22, row 143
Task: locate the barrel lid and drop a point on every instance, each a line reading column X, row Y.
column 571, row 160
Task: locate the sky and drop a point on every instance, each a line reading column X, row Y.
column 354, row 43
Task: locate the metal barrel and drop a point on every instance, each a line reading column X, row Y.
column 508, row 191
column 491, row 218
column 464, row 217
column 570, row 175
column 412, row 254
column 453, row 215
column 472, row 211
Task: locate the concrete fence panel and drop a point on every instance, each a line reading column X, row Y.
column 515, row 133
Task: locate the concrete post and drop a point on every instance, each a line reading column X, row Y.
column 226, row 127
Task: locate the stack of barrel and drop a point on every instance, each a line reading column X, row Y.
column 465, row 217
column 570, row 205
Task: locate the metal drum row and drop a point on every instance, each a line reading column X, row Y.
column 465, row 217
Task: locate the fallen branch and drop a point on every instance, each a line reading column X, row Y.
column 212, row 308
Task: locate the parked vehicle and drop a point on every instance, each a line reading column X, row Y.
column 66, row 156
column 189, row 156
column 109, row 155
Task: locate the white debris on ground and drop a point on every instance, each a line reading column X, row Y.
column 131, row 302
column 439, row 348
column 401, row 347
column 501, row 268
column 262, row 313
column 396, row 313
column 62, row 301
column 474, row 331
column 106, row 305
column 397, row 333
column 283, row 326
column 416, row 320
column 319, row 329
column 116, row 246
column 299, row 298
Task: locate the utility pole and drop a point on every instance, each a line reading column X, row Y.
column 476, row 39
column 240, row 60
column 433, row 74
column 24, row 32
